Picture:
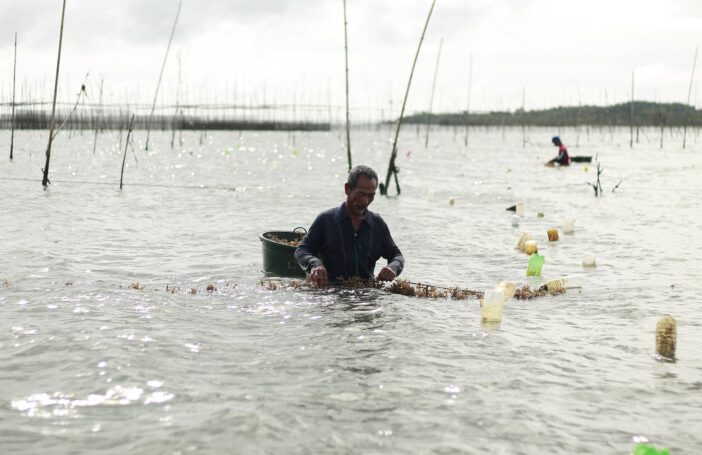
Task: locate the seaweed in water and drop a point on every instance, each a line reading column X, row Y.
column 277, row 239
column 410, row 289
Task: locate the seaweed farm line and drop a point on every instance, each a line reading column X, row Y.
column 140, row 321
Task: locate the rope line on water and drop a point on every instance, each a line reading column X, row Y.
column 158, row 185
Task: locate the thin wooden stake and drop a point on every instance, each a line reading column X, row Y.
column 126, row 146
column 523, row 117
column 431, row 97
column 470, row 86
column 631, row 114
column 689, row 94
column 102, row 80
column 177, row 103
column 160, row 76
column 348, row 119
column 45, row 179
column 14, row 73
column 391, row 166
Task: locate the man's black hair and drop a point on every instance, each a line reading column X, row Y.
column 358, row 171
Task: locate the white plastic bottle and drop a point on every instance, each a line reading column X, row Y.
column 567, row 282
column 493, row 305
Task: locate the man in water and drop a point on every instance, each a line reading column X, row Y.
column 346, row 241
column 563, row 158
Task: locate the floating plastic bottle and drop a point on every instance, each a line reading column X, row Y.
column 522, row 241
column 645, row 449
column 666, row 337
column 535, row 263
column 567, row 282
column 492, row 305
column 530, row 247
column 508, row 289
column 552, row 235
column 589, row 260
column 569, row 227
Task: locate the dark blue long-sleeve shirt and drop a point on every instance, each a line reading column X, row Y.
column 333, row 242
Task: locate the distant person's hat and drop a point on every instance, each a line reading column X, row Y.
column 555, row 139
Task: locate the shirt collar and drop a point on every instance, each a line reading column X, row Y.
column 340, row 214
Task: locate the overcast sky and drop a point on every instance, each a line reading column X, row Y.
column 558, row 52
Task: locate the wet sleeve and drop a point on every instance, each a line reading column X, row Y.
column 392, row 253
column 306, row 253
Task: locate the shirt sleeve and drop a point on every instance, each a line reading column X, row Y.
column 392, row 253
column 306, row 253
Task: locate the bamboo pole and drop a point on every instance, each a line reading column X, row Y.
column 177, row 103
column 470, row 87
column 391, row 165
column 431, row 97
column 126, row 146
column 523, row 117
column 689, row 94
column 160, row 76
column 631, row 114
column 102, row 80
column 348, row 119
column 45, row 179
column 14, row 74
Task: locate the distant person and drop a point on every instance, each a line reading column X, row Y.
column 563, row 158
column 346, row 241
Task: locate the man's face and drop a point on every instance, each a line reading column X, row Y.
column 359, row 198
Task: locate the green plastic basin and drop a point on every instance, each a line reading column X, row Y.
column 279, row 258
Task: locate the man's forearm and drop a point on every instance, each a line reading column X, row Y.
column 306, row 259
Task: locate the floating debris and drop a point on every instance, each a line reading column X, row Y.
column 136, row 286
column 666, row 337
column 5, row 283
column 211, row 288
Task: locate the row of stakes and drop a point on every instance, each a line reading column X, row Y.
column 493, row 301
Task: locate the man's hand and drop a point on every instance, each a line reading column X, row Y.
column 318, row 275
column 386, row 274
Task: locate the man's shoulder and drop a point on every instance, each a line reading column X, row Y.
column 329, row 214
column 375, row 218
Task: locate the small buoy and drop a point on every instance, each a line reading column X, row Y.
column 646, row 449
column 530, row 247
column 521, row 243
column 515, row 221
column 552, row 235
column 666, row 337
column 589, row 260
column 508, row 289
column 535, row 264
column 452, row 201
column 566, row 282
column 492, row 305
column 568, row 226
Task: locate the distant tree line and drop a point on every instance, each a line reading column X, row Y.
column 645, row 114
